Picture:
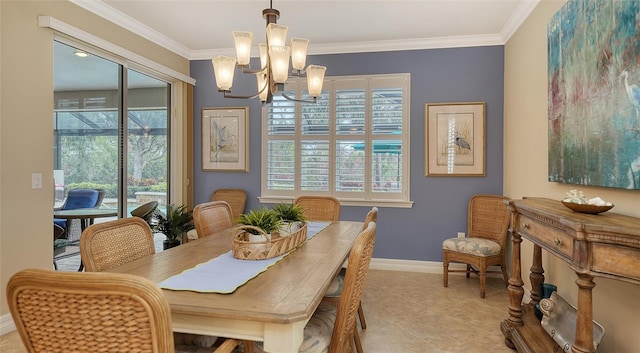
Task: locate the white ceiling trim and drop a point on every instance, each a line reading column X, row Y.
column 517, row 18
column 110, row 14
column 525, row 8
column 63, row 27
column 377, row 46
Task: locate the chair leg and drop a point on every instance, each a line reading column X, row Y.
column 483, row 281
column 504, row 275
column 445, row 273
column 356, row 340
column 363, row 323
column 468, row 270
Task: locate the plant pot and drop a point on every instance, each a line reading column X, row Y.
column 170, row 243
column 288, row 228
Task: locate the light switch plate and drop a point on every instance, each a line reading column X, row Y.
column 36, row 181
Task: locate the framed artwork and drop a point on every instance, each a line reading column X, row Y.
column 225, row 142
column 594, row 100
column 455, row 139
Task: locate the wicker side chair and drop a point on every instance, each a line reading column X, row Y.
column 211, row 217
column 59, row 312
column 319, row 208
column 236, row 198
column 113, row 243
column 487, row 222
column 337, row 286
column 332, row 329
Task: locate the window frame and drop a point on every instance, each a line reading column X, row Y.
column 332, row 84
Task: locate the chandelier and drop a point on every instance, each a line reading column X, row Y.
column 274, row 62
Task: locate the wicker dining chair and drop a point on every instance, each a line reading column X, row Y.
column 113, row 243
column 484, row 246
column 236, row 198
column 319, row 208
column 332, row 329
column 60, row 312
column 337, row 286
column 212, row 217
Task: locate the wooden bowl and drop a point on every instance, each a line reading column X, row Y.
column 584, row 208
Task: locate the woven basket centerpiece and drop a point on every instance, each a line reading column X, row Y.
column 272, row 245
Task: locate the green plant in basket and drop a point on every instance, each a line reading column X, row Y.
column 290, row 212
column 263, row 218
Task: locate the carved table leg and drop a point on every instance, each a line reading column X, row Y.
column 537, row 274
column 515, row 282
column 584, row 321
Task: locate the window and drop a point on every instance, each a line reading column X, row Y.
column 109, row 135
column 352, row 144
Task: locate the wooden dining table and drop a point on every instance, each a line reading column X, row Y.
column 273, row 307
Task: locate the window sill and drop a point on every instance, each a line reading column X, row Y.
column 347, row 202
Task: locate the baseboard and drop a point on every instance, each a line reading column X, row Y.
column 417, row 266
column 6, row 324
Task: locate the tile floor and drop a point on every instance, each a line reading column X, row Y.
column 411, row 312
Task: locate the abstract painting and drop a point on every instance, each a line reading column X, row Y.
column 594, row 99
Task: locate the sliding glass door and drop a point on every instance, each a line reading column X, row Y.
column 111, row 130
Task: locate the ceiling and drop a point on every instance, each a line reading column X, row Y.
column 201, row 29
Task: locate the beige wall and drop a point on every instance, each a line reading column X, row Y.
column 525, row 174
column 26, row 137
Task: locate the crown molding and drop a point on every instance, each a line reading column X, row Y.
column 515, row 21
column 377, row 46
column 517, row 18
column 110, row 14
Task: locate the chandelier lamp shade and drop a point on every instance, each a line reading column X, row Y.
column 275, row 55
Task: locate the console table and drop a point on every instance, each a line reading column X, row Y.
column 603, row 245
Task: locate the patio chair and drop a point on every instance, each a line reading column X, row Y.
column 77, row 198
column 59, row 244
column 146, row 212
column 59, row 312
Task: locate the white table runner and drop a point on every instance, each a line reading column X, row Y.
column 224, row 274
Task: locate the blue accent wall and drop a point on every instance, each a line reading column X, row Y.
column 440, row 203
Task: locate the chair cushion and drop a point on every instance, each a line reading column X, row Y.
column 335, row 289
column 472, row 246
column 317, row 332
column 81, row 198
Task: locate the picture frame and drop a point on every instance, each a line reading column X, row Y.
column 225, row 142
column 455, row 139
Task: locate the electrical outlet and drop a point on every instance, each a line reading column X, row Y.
column 36, row 181
column 461, row 234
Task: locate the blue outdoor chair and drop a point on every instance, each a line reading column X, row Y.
column 78, row 198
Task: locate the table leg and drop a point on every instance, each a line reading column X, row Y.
column 537, row 274
column 584, row 321
column 515, row 282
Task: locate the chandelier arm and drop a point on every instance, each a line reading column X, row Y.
column 246, row 69
column 227, row 94
column 314, row 101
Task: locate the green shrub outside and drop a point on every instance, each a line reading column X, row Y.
column 111, row 190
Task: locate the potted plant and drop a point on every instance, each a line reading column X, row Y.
column 173, row 224
column 292, row 217
column 263, row 218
